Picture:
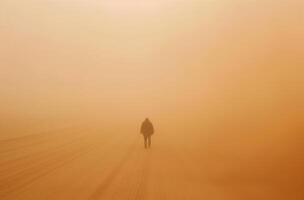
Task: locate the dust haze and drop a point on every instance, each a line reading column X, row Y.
column 221, row 80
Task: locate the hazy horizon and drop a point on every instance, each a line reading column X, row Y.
column 226, row 76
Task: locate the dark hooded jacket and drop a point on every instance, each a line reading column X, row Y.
column 147, row 128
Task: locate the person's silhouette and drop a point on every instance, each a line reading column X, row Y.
column 147, row 131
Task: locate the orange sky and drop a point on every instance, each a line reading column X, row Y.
column 173, row 60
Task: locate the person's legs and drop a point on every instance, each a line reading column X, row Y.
column 145, row 140
column 149, row 140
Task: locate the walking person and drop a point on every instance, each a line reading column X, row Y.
column 147, row 130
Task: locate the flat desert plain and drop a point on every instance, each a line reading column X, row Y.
column 88, row 163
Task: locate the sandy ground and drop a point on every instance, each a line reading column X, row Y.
column 86, row 163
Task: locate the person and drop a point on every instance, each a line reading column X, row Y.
column 147, row 130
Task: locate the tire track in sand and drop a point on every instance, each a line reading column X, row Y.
column 46, row 167
column 107, row 146
column 143, row 179
column 99, row 192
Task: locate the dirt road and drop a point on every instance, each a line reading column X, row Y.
column 89, row 164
